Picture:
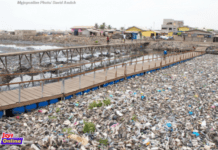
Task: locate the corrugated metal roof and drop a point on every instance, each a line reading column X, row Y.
column 91, row 30
column 131, row 32
column 199, row 33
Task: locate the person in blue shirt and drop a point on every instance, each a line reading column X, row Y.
column 165, row 54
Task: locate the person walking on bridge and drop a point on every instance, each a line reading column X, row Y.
column 108, row 40
column 165, row 54
column 194, row 48
column 124, row 38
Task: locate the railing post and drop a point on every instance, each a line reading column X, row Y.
column 42, row 87
column 79, row 81
column 106, row 74
column 161, row 63
column 116, row 72
column 114, row 61
column 63, row 87
column 94, row 78
column 149, row 62
column 70, row 71
column 125, row 70
column 143, row 63
column 19, row 92
column 131, row 60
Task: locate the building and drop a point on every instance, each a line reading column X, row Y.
column 11, row 32
column 144, row 31
column 25, row 32
column 131, row 34
column 77, row 30
column 3, row 32
column 90, row 32
column 170, row 25
column 183, row 29
column 198, row 33
column 149, row 33
column 137, row 29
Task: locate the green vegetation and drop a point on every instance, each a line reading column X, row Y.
column 109, row 27
column 52, row 117
column 96, row 41
column 103, row 26
column 134, row 117
column 94, row 104
column 107, row 102
column 99, row 104
column 89, row 127
column 210, row 30
column 104, row 142
column 68, row 130
column 58, row 109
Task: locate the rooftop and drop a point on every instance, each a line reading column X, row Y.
column 141, row 28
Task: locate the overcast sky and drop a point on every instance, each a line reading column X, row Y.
column 117, row 13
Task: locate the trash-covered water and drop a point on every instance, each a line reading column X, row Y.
column 174, row 108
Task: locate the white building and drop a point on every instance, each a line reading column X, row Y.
column 170, row 25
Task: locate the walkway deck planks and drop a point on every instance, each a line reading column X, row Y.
column 31, row 95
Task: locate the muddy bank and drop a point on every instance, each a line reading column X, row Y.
column 171, row 46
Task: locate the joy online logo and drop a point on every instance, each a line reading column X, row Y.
column 7, row 139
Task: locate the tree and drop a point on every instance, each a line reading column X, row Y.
column 102, row 26
column 122, row 28
column 96, row 26
column 109, row 27
column 179, row 33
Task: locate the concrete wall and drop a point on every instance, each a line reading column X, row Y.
column 193, row 39
column 86, row 33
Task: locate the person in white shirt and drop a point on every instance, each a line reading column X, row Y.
column 124, row 37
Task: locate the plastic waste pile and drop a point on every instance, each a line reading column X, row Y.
column 174, row 108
